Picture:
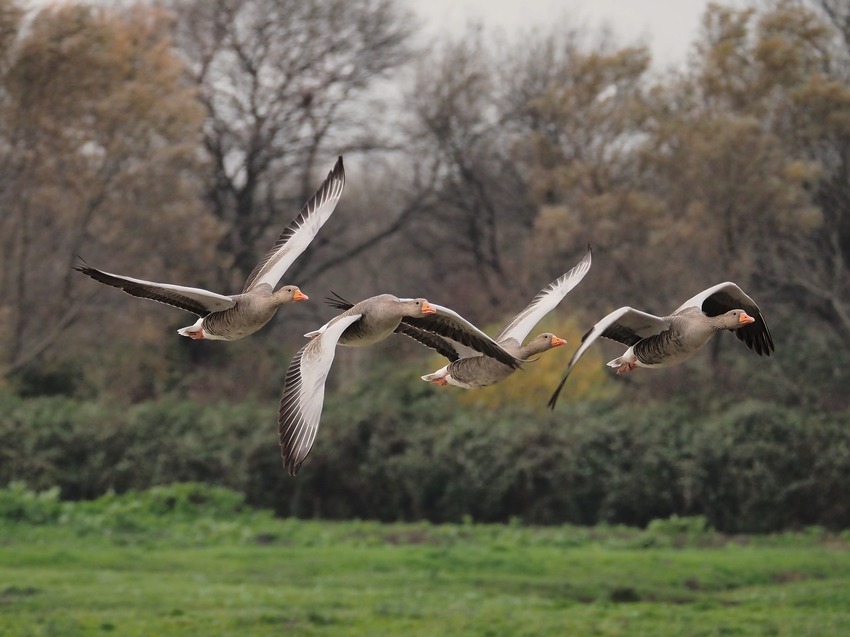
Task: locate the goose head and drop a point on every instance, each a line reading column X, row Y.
column 733, row 320
column 289, row 294
column 542, row 343
column 416, row 308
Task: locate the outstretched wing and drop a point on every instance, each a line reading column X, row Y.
column 300, row 232
column 727, row 296
column 195, row 300
column 545, row 301
column 304, row 393
column 443, row 346
column 625, row 325
column 452, row 325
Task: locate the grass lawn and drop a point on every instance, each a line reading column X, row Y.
column 254, row 575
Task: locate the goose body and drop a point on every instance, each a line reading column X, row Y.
column 360, row 325
column 477, row 370
column 662, row 341
column 379, row 317
column 469, row 370
column 231, row 317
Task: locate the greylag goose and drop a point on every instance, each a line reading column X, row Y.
column 229, row 318
column 656, row 341
column 364, row 323
column 468, row 369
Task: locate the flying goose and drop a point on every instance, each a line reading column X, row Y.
column 470, row 369
column 362, row 324
column 656, row 341
column 229, row 318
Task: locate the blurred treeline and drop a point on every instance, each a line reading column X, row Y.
column 403, row 452
column 172, row 140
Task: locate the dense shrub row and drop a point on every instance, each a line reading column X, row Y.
column 405, row 452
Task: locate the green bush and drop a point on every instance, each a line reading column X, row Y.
column 19, row 504
column 403, row 451
column 760, row 467
column 190, row 513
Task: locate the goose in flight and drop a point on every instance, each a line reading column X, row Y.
column 468, row 368
column 229, row 318
column 661, row 341
column 360, row 325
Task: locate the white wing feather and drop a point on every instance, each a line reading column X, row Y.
column 545, row 301
column 300, row 232
column 304, row 393
column 210, row 301
column 727, row 287
column 642, row 323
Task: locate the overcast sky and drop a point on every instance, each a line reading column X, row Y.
column 668, row 26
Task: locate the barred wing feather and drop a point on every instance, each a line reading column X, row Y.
column 300, row 232
column 545, row 301
column 195, row 300
column 304, row 393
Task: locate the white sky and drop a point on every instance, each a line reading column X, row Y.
column 668, row 26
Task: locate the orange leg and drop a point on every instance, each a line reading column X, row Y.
column 625, row 368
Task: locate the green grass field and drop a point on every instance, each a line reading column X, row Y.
column 124, row 570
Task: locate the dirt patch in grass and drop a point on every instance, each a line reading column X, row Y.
column 12, row 593
column 413, row 536
column 787, row 577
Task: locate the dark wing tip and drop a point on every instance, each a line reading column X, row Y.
column 429, row 339
column 487, row 347
column 337, row 173
column 289, row 463
column 80, row 264
column 756, row 336
column 338, row 302
column 554, row 399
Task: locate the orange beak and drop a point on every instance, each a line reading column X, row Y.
column 557, row 341
column 745, row 319
column 427, row 308
column 299, row 296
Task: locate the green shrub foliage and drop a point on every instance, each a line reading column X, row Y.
column 403, row 451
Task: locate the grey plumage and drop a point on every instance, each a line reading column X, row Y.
column 656, row 341
column 482, row 371
column 359, row 325
column 232, row 317
column 470, row 370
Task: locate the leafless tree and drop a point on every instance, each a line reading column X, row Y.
column 286, row 85
column 480, row 214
